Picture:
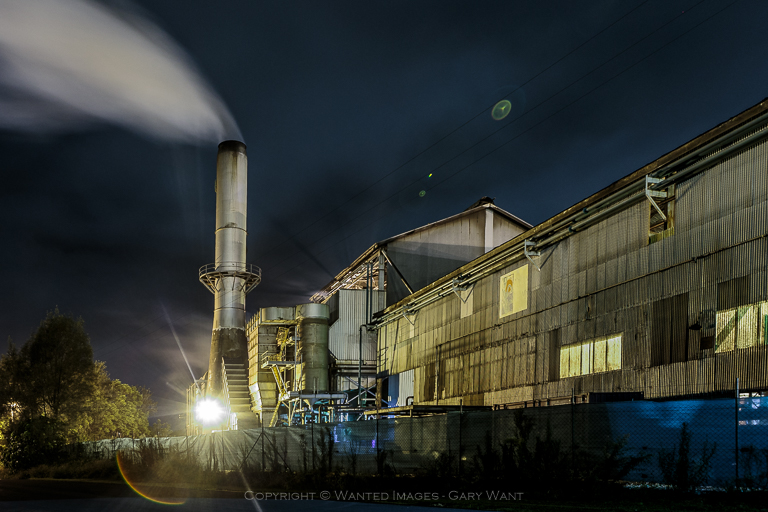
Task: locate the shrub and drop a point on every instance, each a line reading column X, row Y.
column 33, row 442
column 679, row 469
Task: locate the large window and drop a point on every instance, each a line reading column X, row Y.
column 742, row 327
column 593, row 356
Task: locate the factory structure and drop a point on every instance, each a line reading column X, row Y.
column 291, row 376
column 221, row 395
column 655, row 287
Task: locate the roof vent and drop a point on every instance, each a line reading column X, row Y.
column 481, row 202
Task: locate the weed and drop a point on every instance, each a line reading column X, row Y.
column 679, row 469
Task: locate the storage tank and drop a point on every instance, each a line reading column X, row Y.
column 313, row 347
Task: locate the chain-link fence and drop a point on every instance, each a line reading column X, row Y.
column 719, row 441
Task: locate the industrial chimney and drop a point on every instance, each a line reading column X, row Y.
column 229, row 278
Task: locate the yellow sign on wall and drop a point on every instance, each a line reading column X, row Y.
column 513, row 292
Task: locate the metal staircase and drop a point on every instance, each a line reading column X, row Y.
column 237, row 397
column 279, row 362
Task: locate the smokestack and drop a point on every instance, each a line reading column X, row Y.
column 229, row 278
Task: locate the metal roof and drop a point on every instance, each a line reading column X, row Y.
column 351, row 271
column 692, row 157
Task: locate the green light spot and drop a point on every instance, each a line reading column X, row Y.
column 429, row 175
column 422, row 193
column 501, row 110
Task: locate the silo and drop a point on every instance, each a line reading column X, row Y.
column 313, row 347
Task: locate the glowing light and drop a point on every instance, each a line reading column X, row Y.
column 209, row 412
column 143, row 491
column 422, row 193
column 501, row 110
column 429, row 175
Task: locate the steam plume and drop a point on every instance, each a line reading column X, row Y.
column 69, row 63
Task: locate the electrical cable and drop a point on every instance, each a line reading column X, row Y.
column 444, row 137
column 484, row 111
column 521, row 133
column 119, row 340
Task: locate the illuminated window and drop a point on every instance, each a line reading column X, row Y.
column 661, row 228
column 742, row 327
column 593, row 356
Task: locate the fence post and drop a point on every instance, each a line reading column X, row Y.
column 312, row 428
column 573, row 435
column 461, row 446
column 263, row 466
column 211, row 452
column 736, row 432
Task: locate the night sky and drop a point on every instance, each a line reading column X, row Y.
column 346, row 108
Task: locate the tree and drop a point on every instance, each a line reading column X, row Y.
column 53, row 376
column 114, row 409
column 56, row 364
column 13, row 379
column 161, row 429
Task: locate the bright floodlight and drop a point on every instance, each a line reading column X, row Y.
column 209, row 411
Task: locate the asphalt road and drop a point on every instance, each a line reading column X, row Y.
column 85, row 496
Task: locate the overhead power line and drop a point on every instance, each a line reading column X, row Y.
column 515, row 137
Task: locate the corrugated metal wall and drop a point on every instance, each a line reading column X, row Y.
column 348, row 308
column 429, row 254
column 662, row 297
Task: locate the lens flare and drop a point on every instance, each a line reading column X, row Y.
column 147, row 491
column 501, row 110
column 209, row 412
column 422, row 193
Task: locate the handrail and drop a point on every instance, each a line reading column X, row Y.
column 211, row 275
column 230, row 268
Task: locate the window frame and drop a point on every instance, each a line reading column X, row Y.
column 610, row 346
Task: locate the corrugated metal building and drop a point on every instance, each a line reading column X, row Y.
column 414, row 258
column 656, row 284
column 409, row 261
column 261, row 332
column 346, row 337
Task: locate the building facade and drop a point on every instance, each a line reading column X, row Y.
column 385, row 273
column 655, row 285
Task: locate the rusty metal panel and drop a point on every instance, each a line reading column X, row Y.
column 604, row 280
column 573, row 266
column 735, row 195
column 759, row 183
column 602, row 231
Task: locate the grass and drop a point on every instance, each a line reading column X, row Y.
column 78, row 470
